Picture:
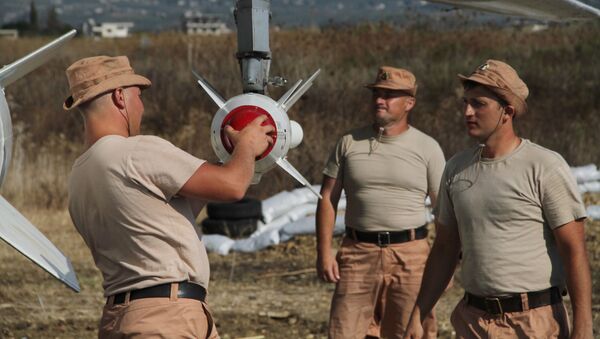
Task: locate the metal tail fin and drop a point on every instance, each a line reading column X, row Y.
column 298, row 93
column 212, row 93
column 288, row 94
column 283, row 163
column 25, row 238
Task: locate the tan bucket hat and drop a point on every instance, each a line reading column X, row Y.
column 90, row 77
column 503, row 80
column 396, row 79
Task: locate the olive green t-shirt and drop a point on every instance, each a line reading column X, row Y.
column 123, row 201
column 505, row 210
column 386, row 178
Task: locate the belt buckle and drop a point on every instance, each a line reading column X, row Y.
column 383, row 241
column 491, row 303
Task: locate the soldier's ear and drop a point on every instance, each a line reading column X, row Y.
column 410, row 103
column 118, row 98
column 509, row 113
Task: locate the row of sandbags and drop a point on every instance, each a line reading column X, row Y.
column 290, row 213
column 284, row 215
column 588, row 178
column 588, row 181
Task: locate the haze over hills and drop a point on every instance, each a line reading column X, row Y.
column 156, row 15
column 166, row 14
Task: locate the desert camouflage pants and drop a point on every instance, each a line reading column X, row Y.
column 377, row 290
column 157, row 318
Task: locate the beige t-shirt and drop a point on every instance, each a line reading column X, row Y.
column 123, row 202
column 386, row 179
column 505, row 210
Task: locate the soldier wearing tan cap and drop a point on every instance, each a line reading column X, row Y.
column 134, row 199
column 387, row 169
column 512, row 207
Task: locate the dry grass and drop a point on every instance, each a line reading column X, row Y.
column 244, row 287
column 559, row 64
column 33, row 304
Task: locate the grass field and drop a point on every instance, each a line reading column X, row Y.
column 273, row 293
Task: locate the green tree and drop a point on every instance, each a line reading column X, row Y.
column 53, row 24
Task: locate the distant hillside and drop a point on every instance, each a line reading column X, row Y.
column 156, row 15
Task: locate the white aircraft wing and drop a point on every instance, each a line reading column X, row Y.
column 5, row 136
column 552, row 10
column 14, row 228
column 20, row 68
column 25, row 238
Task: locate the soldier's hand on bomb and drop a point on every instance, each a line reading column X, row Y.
column 255, row 135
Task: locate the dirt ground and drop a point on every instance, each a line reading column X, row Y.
column 270, row 294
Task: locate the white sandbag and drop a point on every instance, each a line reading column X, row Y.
column 277, row 205
column 282, row 202
column 307, row 225
column 302, row 211
column 257, row 243
column 304, row 225
column 586, row 173
column 340, row 224
column 429, row 216
column 217, row 243
column 276, row 224
column 305, row 195
column 593, row 212
column 342, row 204
column 592, row 186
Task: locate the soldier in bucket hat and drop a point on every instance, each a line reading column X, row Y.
column 512, row 207
column 134, row 199
column 387, row 169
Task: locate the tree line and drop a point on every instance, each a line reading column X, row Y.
column 31, row 25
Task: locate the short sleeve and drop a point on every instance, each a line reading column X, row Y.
column 561, row 200
column 160, row 167
column 336, row 160
column 435, row 169
column 444, row 209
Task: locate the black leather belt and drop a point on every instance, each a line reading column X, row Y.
column 514, row 303
column 383, row 239
column 186, row 290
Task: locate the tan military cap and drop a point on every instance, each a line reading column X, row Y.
column 396, row 79
column 90, row 77
column 503, row 80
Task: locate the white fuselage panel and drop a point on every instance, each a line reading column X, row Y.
column 5, row 137
column 536, row 9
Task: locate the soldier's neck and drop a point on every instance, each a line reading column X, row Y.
column 500, row 145
column 391, row 130
column 95, row 131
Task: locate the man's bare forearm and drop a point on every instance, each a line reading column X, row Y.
column 326, row 213
column 439, row 269
column 570, row 239
column 579, row 284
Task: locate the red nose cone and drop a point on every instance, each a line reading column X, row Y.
column 239, row 118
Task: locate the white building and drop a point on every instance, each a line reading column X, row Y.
column 107, row 29
column 195, row 22
column 9, row 33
